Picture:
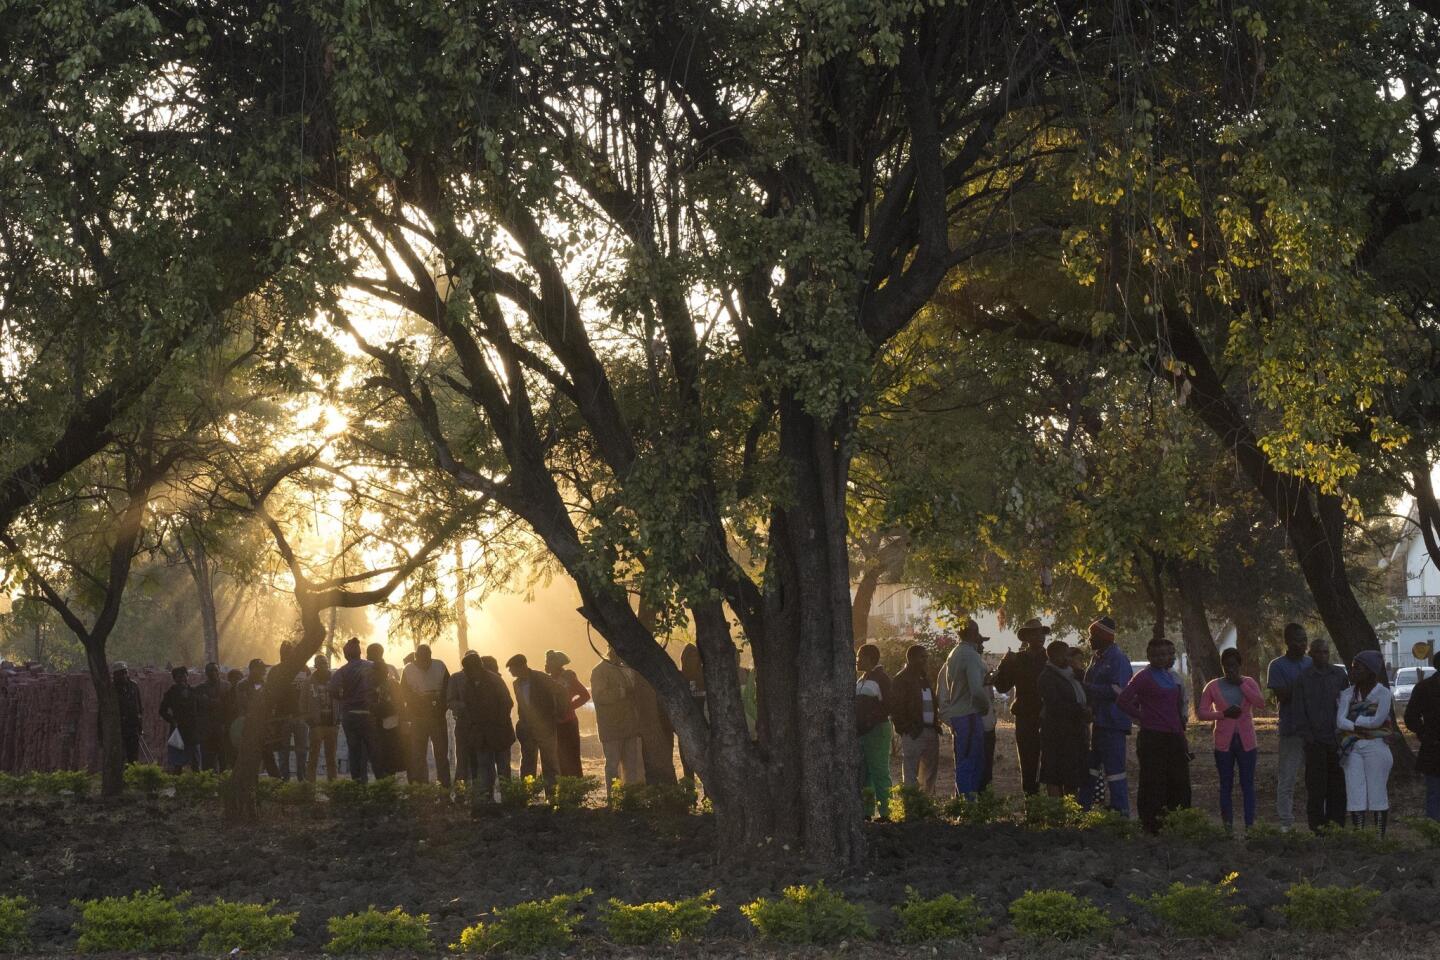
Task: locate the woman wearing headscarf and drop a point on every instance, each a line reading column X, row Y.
column 1365, row 722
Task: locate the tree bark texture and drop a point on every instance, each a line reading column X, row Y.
column 1195, row 627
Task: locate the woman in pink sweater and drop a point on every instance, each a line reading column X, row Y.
column 1230, row 700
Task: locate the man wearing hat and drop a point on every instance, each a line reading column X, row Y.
column 567, row 728
column 127, row 691
column 1108, row 674
column 1020, row 671
column 963, row 705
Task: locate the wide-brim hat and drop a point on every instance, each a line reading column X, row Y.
column 1033, row 625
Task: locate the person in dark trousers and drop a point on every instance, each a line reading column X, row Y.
column 1107, row 675
column 211, row 696
column 180, row 709
column 127, row 692
column 425, row 680
column 245, row 694
column 1422, row 718
column 567, row 728
column 231, row 709
column 350, row 687
column 915, row 717
column 1314, row 700
column 1156, row 698
column 1290, row 748
column 540, row 704
column 1064, row 724
column 322, row 720
column 386, row 701
column 1019, row 670
column 292, row 723
column 483, row 730
column 503, row 769
column 872, row 725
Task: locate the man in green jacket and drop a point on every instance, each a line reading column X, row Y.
column 963, row 705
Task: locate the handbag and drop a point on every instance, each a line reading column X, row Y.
column 176, row 741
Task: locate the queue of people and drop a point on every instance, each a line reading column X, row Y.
column 396, row 721
column 1074, row 720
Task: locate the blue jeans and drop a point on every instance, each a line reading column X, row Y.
column 969, row 753
column 1225, row 763
column 1107, row 769
column 1432, row 796
column 359, row 743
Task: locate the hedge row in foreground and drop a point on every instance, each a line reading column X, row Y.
column 149, row 921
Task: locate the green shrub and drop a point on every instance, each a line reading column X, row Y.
column 386, row 793
column 57, row 783
column 1058, row 915
column 1426, row 829
column 1110, row 822
column 911, row 803
column 15, row 916
column 1189, row 825
column 1327, row 909
column 148, row 778
column 197, row 785
column 658, row 798
column 985, row 807
column 517, row 793
column 140, row 923
column 526, row 927
column 345, row 793
column 943, row 918
column 572, row 793
column 249, row 927
column 1197, row 910
column 427, row 794
column 375, row 931
column 1043, row 812
column 1267, row 836
column 1353, row 840
column 808, row 914
column 295, row 793
column 641, row 924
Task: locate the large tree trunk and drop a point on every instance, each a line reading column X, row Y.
column 198, row 560
column 1195, row 627
column 462, row 618
column 1247, row 641
column 860, row 605
column 112, row 752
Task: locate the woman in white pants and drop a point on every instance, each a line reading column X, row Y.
column 1364, row 720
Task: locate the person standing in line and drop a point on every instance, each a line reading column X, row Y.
column 351, row 688
column 1064, row 724
column 1283, row 673
column 483, row 730
column 656, row 735
column 963, row 703
column 127, row 692
column 567, row 728
column 1156, row 699
column 1230, row 701
column 612, row 685
column 424, row 681
column 246, row 693
column 230, row 706
column 541, row 703
column 212, row 693
column 1315, row 698
column 872, row 726
column 503, row 770
column 1366, row 723
column 1107, row 675
column 320, row 713
column 1422, row 718
column 181, row 710
column 1020, row 671
column 990, row 720
column 692, row 668
column 914, row 716
column 293, row 730
column 386, row 701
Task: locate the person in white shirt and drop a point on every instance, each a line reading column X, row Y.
column 425, row 681
column 1364, row 719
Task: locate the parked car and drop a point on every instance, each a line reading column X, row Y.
column 1405, row 680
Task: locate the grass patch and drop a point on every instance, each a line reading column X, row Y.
column 808, row 914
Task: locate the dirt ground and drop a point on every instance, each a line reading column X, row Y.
column 436, row 860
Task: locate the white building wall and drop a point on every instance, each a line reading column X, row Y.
column 1421, row 577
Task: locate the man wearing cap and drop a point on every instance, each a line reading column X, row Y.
column 963, row 704
column 540, row 703
column 1020, row 671
column 567, row 728
column 127, row 692
column 1108, row 674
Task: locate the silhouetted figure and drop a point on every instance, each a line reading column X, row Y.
column 127, row 692
column 180, row 708
column 567, row 728
column 483, row 731
column 385, row 704
column 1064, row 724
column 424, row 681
column 1422, row 718
column 350, row 687
column 1019, row 670
column 319, row 705
column 613, row 686
column 541, row 703
column 211, row 695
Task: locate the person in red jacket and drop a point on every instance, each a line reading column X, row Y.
column 567, row 728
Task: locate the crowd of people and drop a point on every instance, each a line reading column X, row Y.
column 1074, row 719
column 399, row 720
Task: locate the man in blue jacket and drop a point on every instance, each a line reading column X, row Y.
column 1108, row 674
